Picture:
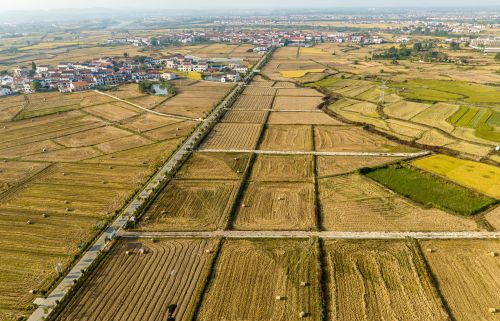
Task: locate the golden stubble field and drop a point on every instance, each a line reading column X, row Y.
column 467, row 272
column 68, row 163
column 141, row 286
column 379, row 280
column 264, row 280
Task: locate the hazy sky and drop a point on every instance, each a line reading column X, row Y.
column 7, row 5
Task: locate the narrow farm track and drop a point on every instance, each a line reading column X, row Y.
column 298, row 152
column 319, row 234
column 148, row 110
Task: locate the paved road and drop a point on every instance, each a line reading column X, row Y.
column 320, row 234
column 46, row 305
column 279, row 152
column 148, row 110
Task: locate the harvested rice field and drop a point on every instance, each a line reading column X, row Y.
column 214, row 166
column 277, row 206
column 190, row 205
column 283, row 168
column 233, row 136
column 467, row 273
column 302, row 118
column 296, row 103
column 253, row 102
column 380, row 280
column 287, row 138
column 142, row 286
column 263, row 280
column 355, row 203
column 337, row 165
column 352, row 139
column 243, row 116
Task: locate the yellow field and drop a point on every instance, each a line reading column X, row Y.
column 250, row 275
column 379, row 280
column 298, row 73
column 479, row 176
column 468, row 276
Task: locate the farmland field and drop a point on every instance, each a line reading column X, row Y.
column 277, row 206
column 233, row 136
column 301, row 118
column 355, row 203
column 142, row 286
column 346, row 138
column 481, row 177
column 427, row 189
column 243, row 116
column 253, row 102
column 190, row 205
column 296, row 103
column 336, row 165
column 380, row 280
column 287, row 137
column 251, row 274
column 283, row 168
column 214, row 166
column 468, row 276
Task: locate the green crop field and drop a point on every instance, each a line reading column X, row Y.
column 430, row 190
column 483, row 120
column 444, row 90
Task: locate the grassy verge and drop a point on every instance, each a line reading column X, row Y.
column 430, row 190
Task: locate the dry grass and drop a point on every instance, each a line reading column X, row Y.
column 250, row 274
column 355, row 203
column 277, row 206
column 190, row 205
column 467, row 276
column 141, row 286
column 288, row 138
column 380, row 280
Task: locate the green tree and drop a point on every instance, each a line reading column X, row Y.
column 454, row 45
column 35, row 86
column 497, row 56
column 417, row 46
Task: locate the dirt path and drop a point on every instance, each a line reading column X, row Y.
column 278, row 152
column 148, row 110
column 320, row 234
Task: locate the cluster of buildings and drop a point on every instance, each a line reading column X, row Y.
column 490, row 44
column 73, row 76
column 262, row 39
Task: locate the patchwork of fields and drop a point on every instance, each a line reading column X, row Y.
column 68, row 163
column 277, row 161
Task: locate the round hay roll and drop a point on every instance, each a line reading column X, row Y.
column 302, row 314
column 128, row 252
column 493, row 254
column 430, row 250
column 492, row 310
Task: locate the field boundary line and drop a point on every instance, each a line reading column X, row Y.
column 279, row 152
column 148, row 110
column 319, row 234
